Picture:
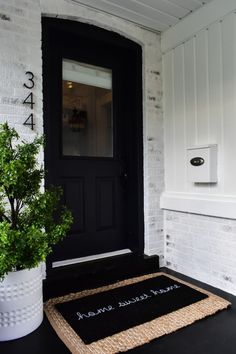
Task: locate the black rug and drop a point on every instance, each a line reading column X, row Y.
column 104, row 314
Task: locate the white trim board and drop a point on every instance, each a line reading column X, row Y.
column 90, row 258
column 217, row 206
column 194, row 22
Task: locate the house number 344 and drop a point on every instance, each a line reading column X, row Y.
column 29, row 100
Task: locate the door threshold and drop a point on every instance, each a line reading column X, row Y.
column 90, row 258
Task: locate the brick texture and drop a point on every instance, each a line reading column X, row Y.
column 202, row 247
column 20, row 52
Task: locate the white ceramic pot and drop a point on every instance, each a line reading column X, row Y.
column 21, row 303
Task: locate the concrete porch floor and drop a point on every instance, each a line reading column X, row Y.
column 213, row 335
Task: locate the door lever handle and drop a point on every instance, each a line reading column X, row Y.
column 125, row 176
column 124, row 179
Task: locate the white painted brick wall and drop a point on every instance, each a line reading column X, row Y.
column 20, row 51
column 202, row 247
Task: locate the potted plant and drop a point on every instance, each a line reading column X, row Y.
column 31, row 222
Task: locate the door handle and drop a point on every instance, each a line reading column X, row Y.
column 124, row 179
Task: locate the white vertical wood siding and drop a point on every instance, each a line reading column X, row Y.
column 200, row 105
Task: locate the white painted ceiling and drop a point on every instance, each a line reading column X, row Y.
column 157, row 15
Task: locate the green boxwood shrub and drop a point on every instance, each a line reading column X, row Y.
column 31, row 220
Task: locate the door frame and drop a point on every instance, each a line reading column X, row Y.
column 136, row 238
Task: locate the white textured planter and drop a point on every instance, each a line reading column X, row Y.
column 21, row 303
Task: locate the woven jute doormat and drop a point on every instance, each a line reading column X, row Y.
column 128, row 313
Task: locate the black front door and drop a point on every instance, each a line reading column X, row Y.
column 93, row 127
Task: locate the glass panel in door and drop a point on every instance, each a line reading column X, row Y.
column 87, row 110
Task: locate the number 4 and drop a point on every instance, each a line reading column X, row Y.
column 30, row 121
column 29, row 100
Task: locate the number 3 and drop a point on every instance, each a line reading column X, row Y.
column 31, row 79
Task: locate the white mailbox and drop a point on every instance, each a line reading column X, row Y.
column 202, row 164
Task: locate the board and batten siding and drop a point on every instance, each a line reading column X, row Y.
column 199, row 75
column 200, row 108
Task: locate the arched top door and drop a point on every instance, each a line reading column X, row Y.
column 92, row 87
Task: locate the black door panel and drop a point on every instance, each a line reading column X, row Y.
column 104, row 193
